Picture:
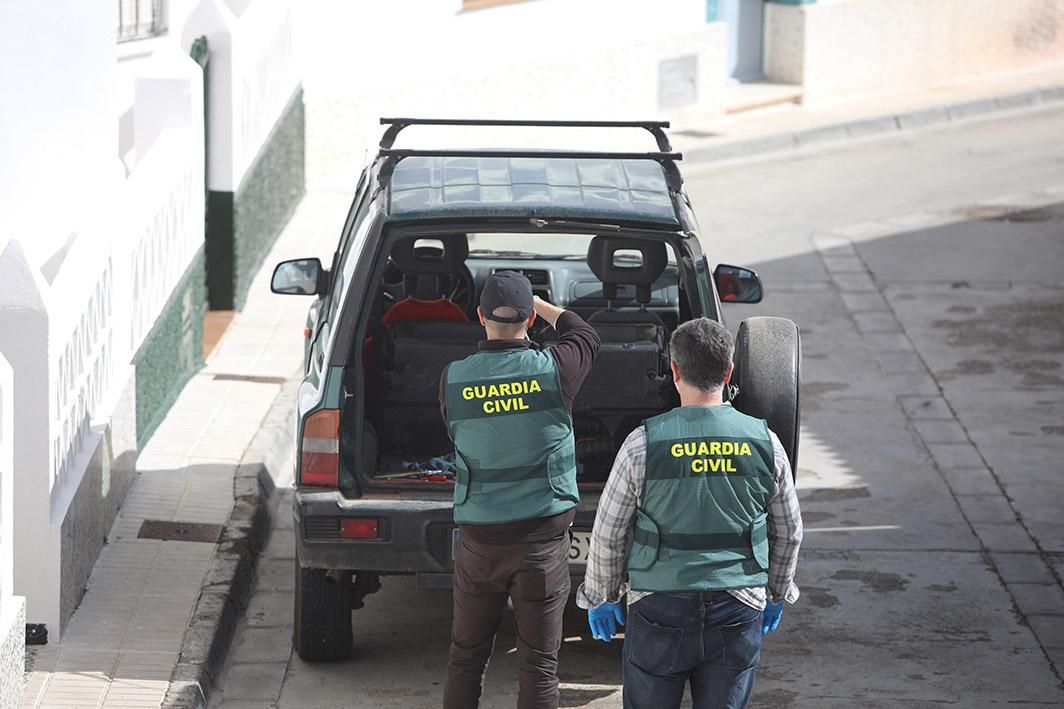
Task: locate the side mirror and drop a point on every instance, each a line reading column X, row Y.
column 303, row 276
column 737, row 285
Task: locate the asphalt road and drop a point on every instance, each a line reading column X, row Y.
column 927, row 273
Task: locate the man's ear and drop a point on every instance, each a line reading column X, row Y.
column 675, row 372
column 727, row 377
column 480, row 316
column 531, row 320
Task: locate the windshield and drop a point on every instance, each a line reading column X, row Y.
column 538, row 246
column 532, row 246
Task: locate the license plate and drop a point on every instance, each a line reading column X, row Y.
column 578, row 547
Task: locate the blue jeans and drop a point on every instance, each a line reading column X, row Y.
column 711, row 639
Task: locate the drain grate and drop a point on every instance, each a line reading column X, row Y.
column 180, row 531
column 257, row 379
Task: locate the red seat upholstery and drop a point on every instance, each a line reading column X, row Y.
column 415, row 309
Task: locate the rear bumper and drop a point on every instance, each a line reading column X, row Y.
column 414, row 535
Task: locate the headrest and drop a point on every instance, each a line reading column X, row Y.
column 600, row 258
column 414, row 256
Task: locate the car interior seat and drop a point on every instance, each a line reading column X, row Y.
column 631, row 372
column 428, row 272
column 416, row 347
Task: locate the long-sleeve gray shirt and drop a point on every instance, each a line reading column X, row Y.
column 611, row 538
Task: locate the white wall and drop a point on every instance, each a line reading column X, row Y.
column 544, row 59
column 6, row 482
column 253, row 75
column 843, row 48
column 89, row 256
column 12, row 618
column 57, row 126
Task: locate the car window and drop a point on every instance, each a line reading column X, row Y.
column 355, row 219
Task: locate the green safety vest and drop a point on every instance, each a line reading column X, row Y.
column 701, row 524
column 513, row 437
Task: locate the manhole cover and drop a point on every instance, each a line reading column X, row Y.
column 248, row 378
column 180, row 531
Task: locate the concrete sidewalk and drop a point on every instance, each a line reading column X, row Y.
column 122, row 644
column 790, row 126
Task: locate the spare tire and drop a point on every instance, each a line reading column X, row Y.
column 767, row 376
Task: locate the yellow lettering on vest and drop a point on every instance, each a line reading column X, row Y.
column 533, row 387
column 714, row 448
column 744, row 449
column 480, row 392
column 698, row 465
column 504, row 389
column 467, row 393
column 690, row 448
column 489, row 407
column 677, row 450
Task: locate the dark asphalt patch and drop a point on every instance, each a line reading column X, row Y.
column 819, row 597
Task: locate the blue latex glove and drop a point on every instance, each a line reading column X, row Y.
column 603, row 620
column 771, row 618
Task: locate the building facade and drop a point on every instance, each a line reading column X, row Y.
column 134, row 120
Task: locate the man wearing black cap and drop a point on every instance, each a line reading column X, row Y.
column 508, row 411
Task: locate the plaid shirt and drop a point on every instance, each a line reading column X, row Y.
column 611, row 538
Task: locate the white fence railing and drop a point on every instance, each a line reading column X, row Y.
column 164, row 229
column 80, row 310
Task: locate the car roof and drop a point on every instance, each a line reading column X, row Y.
column 602, row 189
column 626, row 188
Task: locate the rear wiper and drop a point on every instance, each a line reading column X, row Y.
column 566, row 223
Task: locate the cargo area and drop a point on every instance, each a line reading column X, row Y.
column 424, row 318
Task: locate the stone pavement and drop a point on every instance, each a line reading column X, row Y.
column 122, row 643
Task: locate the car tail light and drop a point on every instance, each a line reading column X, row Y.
column 319, row 462
column 359, row 528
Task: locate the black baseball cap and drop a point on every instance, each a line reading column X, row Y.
column 509, row 292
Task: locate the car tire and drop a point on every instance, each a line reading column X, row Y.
column 322, row 625
column 768, row 362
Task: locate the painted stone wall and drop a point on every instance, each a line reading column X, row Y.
column 841, row 48
column 109, row 474
column 172, row 350
column 242, row 225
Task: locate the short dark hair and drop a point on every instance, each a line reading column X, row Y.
column 702, row 350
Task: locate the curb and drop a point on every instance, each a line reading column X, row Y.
column 875, row 125
column 227, row 585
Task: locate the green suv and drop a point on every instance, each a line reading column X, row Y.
column 610, row 235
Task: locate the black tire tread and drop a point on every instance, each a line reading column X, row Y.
column 768, row 360
column 321, row 629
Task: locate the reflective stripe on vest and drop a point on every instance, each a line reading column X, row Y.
column 513, row 437
column 701, row 523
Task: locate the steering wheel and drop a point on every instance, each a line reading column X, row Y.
column 464, row 292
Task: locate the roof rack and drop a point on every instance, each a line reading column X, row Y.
column 667, row 160
column 395, row 125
